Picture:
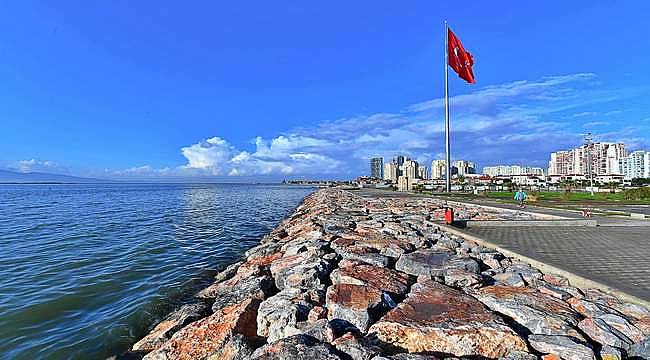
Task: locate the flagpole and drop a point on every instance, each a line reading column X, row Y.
column 447, row 156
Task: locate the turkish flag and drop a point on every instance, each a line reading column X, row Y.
column 459, row 59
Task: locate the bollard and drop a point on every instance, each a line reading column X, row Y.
column 449, row 216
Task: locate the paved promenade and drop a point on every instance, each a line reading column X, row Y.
column 616, row 253
column 614, row 256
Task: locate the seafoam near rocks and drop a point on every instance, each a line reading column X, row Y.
column 351, row 277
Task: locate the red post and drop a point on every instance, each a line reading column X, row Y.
column 449, row 216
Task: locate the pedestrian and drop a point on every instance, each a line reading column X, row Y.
column 520, row 197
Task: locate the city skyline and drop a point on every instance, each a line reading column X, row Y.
column 604, row 160
column 227, row 93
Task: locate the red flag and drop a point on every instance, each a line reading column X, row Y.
column 459, row 59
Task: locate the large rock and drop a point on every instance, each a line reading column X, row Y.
column 509, row 279
column 383, row 243
column 278, row 315
column 214, row 337
column 358, row 304
column 624, row 326
column 640, row 350
column 437, row 318
column 380, row 278
column 305, row 270
column 643, row 324
column 588, row 308
column 327, row 331
column 459, row 278
column 462, row 263
column 528, row 273
column 519, row 355
column 238, row 289
column 297, row 347
column 565, row 347
column 352, row 250
column 610, row 353
column 166, row 328
column 423, row 262
column 598, row 330
column 538, row 312
column 227, row 273
column 357, row 347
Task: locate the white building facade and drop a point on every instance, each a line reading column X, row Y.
column 635, row 165
column 605, row 159
column 512, row 170
column 438, row 169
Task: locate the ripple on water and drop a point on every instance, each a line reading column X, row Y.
column 85, row 270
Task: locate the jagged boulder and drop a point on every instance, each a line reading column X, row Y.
column 538, row 312
column 237, row 289
column 380, row 278
column 278, row 315
column 423, row 262
column 437, row 318
column 640, row 350
column 215, row 336
column 357, row 347
column 357, row 304
column 297, row 347
column 598, row 330
column 305, row 270
column 566, row 347
column 172, row 323
column 356, row 249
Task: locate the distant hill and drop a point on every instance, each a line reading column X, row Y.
column 38, row 177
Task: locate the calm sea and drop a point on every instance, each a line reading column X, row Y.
column 85, row 270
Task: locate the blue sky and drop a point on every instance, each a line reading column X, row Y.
column 244, row 90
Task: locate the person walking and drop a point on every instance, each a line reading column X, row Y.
column 520, row 197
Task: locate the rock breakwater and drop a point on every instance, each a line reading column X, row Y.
column 348, row 277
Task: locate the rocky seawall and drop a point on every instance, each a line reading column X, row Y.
column 348, row 277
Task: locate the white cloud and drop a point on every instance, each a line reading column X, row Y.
column 213, row 154
column 282, row 155
column 34, row 165
column 583, row 114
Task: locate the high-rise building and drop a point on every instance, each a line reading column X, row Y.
column 404, row 183
column 604, row 159
column 377, row 168
column 423, row 172
column 635, row 165
column 410, row 169
column 438, row 169
column 390, row 172
column 464, row 167
column 399, row 160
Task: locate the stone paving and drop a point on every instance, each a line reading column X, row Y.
column 614, row 256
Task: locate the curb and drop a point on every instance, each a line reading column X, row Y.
column 575, row 280
column 535, row 214
column 534, row 223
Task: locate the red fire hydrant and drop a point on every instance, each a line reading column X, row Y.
column 449, row 216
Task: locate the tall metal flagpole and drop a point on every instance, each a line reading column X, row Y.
column 447, row 156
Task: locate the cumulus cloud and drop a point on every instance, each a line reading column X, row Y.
column 213, row 154
column 282, row 155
